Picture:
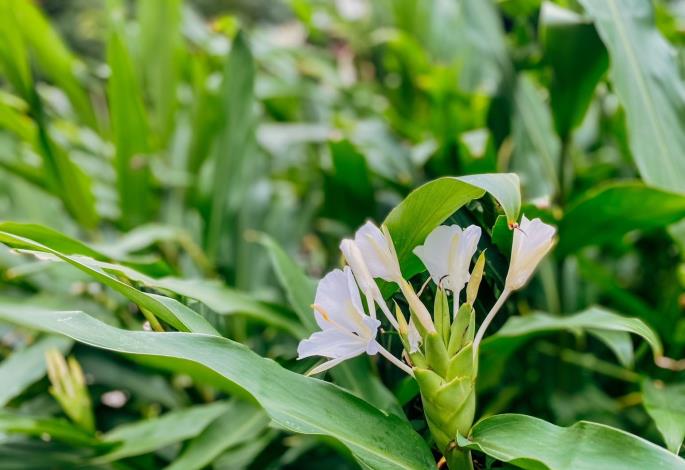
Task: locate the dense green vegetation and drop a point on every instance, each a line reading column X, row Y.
column 175, row 178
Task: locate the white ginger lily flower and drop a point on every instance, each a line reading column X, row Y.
column 447, row 254
column 372, row 255
column 379, row 252
column 346, row 331
column 532, row 241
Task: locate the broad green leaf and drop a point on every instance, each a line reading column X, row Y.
column 533, row 444
column 26, row 366
column 666, row 405
column 610, row 328
column 130, row 132
column 297, row 403
column 607, row 213
column 536, row 151
column 221, row 299
column 168, row 310
column 50, row 237
column 646, row 77
column 238, row 130
column 428, row 206
column 141, row 437
column 595, row 319
column 239, row 424
column 218, row 297
column 355, row 375
column 578, row 59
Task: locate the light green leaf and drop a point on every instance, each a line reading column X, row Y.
column 130, row 132
column 297, row 403
column 58, row 429
column 646, row 78
column 605, row 214
column 14, row 57
column 218, row 297
column 534, row 444
column 158, row 59
column 666, row 405
column 536, row 145
column 53, row 57
column 239, row 424
column 50, row 237
column 26, row 366
column 142, row 437
column 168, row 310
column 221, row 299
column 238, row 130
column 428, row 206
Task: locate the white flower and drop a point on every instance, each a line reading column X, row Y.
column 447, row 254
column 378, row 252
column 370, row 255
column 532, row 241
column 346, row 331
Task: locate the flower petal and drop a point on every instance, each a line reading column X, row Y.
column 338, row 301
column 434, row 252
column 331, row 343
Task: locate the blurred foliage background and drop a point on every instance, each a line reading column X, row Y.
column 170, row 136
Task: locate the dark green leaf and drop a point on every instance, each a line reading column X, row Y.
column 609, row 212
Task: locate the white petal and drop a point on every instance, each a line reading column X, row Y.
column 337, row 295
column 460, row 259
column 328, row 365
column 434, row 253
column 380, row 260
column 355, row 259
column 331, row 343
column 532, row 241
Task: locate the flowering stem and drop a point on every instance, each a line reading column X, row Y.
column 455, row 303
column 417, row 306
column 488, row 319
column 384, row 308
column 385, row 353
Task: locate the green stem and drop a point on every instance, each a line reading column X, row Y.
column 459, row 459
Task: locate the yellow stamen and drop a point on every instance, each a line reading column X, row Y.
column 321, row 311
